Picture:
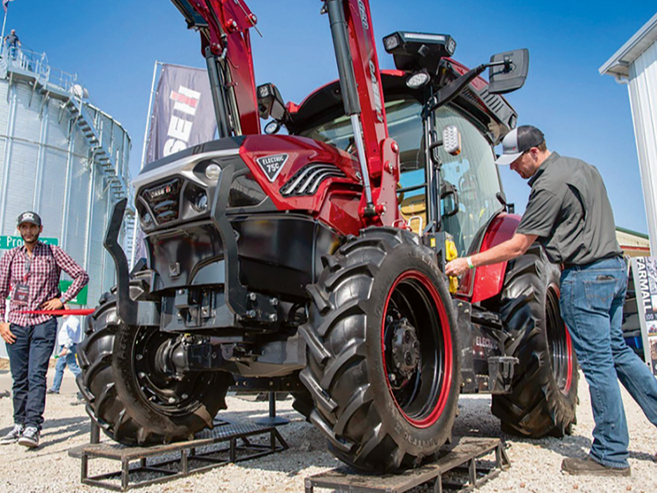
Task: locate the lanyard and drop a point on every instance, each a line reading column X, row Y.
column 28, row 266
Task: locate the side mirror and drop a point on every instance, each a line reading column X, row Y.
column 449, row 199
column 270, row 103
column 509, row 72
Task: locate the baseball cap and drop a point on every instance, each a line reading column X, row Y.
column 519, row 140
column 28, row 217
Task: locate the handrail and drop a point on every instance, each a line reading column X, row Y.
column 37, row 64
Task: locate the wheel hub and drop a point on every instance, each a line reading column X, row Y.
column 156, row 372
column 405, row 350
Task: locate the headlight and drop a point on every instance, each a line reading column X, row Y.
column 200, row 204
column 212, row 172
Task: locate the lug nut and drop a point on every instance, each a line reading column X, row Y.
column 273, row 317
column 251, row 314
column 172, row 400
column 273, row 301
column 253, row 296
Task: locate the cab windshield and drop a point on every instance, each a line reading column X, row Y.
column 473, row 172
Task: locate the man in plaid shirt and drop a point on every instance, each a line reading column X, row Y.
column 30, row 274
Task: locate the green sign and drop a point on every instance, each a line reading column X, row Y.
column 9, row 242
column 80, row 299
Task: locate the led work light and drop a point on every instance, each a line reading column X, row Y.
column 414, row 52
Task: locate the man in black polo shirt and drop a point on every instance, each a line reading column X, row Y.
column 570, row 215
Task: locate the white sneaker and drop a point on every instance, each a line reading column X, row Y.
column 12, row 436
column 30, row 437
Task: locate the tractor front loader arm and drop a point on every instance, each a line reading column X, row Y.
column 362, row 94
column 226, row 45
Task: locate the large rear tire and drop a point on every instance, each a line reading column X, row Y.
column 383, row 362
column 544, row 390
column 134, row 401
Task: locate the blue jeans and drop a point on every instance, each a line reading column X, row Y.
column 28, row 361
column 63, row 361
column 591, row 304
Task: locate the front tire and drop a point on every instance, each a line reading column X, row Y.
column 133, row 401
column 383, row 362
column 543, row 399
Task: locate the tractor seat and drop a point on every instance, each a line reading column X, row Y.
column 414, row 212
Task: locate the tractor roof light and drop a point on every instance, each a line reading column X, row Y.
column 391, row 42
column 416, row 51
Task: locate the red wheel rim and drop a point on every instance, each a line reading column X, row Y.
column 559, row 342
column 420, row 389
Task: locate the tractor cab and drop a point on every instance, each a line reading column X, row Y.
column 464, row 179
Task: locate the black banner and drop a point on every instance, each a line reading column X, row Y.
column 183, row 114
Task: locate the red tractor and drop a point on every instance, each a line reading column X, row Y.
column 312, row 262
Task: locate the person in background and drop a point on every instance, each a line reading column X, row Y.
column 30, row 274
column 12, row 43
column 569, row 213
column 70, row 334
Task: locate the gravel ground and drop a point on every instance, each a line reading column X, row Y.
column 535, row 464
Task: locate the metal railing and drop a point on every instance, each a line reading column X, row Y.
column 20, row 59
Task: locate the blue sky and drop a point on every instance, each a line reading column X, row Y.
column 112, row 46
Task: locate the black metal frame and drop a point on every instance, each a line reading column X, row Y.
column 126, row 307
column 188, row 452
column 461, row 459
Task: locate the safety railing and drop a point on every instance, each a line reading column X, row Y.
column 20, row 59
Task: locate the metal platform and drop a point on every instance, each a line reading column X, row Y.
column 465, row 466
column 227, row 442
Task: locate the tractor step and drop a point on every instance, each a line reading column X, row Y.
column 466, row 464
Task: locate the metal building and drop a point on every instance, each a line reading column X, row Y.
column 635, row 64
column 62, row 157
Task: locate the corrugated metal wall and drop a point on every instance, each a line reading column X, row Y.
column 47, row 164
column 643, row 99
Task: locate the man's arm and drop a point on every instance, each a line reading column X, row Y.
column 510, row 249
column 70, row 328
column 5, row 275
column 77, row 273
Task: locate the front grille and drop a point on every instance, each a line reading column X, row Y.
column 307, row 180
column 163, row 200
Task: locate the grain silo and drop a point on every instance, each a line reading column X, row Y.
column 63, row 157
